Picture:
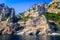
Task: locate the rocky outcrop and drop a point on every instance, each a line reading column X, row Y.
column 4, row 12
column 54, row 7
column 8, row 20
column 33, row 21
column 37, row 23
column 36, row 9
column 13, row 18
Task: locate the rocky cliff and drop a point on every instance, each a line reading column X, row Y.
column 8, row 20
column 54, row 6
column 31, row 21
column 35, row 22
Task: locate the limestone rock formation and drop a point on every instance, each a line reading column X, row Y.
column 8, row 20
column 36, row 9
column 38, row 23
column 13, row 18
column 1, row 6
column 4, row 12
column 54, row 6
column 33, row 21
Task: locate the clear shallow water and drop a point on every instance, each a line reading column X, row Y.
column 16, row 37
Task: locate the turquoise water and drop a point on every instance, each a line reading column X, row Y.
column 16, row 37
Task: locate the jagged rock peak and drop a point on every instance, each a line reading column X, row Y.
column 36, row 10
column 13, row 17
column 12, row 12
column 5, row 9
column 38, row 7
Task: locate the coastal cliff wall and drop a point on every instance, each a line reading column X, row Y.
column 31, row 21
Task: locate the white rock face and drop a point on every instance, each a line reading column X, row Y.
column 54, row 6
column 38, row 22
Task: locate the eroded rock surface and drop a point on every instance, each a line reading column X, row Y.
column 33, row 21
column 37, row 23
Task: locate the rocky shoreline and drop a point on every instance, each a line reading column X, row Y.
column 30, row 22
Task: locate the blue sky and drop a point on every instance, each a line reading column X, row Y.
column 22, row 5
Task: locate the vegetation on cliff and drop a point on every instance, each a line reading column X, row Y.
column 21, row 17
column 37, row 19
column 50, row 16
column 53, row 17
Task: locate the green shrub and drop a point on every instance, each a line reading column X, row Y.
column 52, row 16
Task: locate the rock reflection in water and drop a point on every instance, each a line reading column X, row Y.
column 16, row 37
column 29, row 38
column 42, row 37
column 5, row 37
column 10, row 37
column 36, row 38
